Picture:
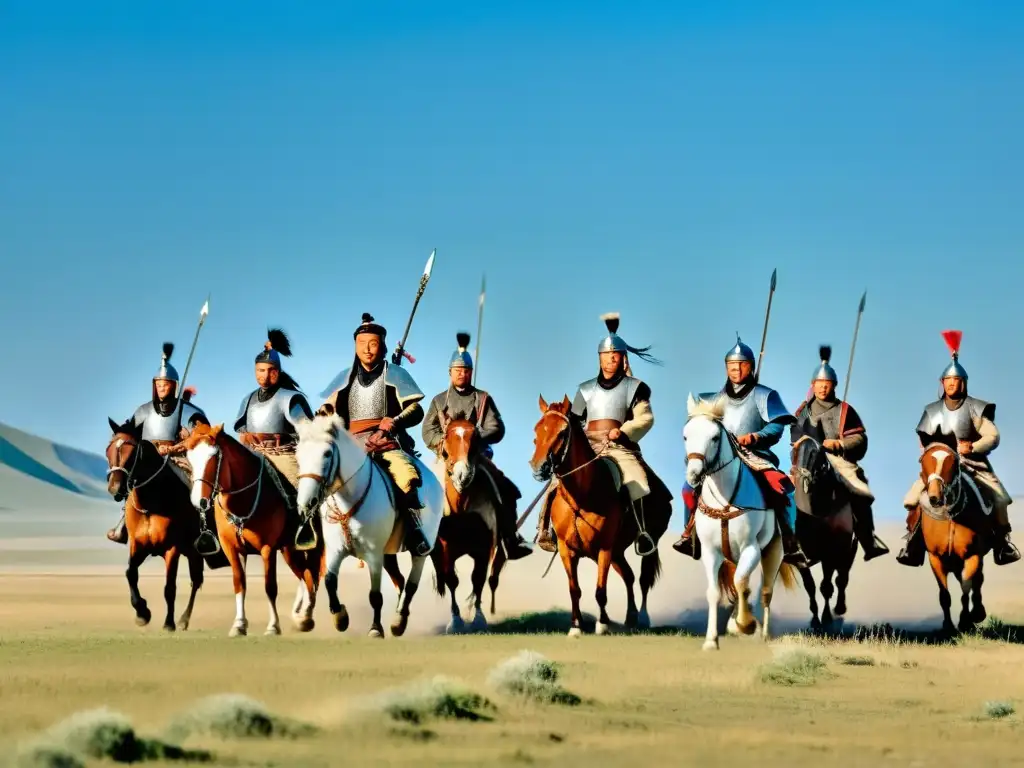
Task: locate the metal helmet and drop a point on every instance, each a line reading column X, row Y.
column 461, row 357
column 167, row 371
column 612, row 342
column 954, row 369
column 277, row 344
column 825, row 371
column 740, row 352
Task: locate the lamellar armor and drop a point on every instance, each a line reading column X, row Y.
column 600, row 403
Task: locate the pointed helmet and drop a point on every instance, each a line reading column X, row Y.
column 461, row 357
column 167, row 372
column 615, row 343
column 740, row 352
column 954, row 369
column 824, row 370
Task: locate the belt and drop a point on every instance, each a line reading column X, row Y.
column 273, row 438
column 359, row 426
column 603, row 425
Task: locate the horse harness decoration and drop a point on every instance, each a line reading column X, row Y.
column 131, row 471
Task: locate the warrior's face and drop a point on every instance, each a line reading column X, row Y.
column 266, row 375
column 369, row 349
column 461, row 376
column 164, row 388
column 823, row 389
column 738, row 370
column 953, row 386
column 611, row 363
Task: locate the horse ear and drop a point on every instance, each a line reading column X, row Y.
column 543, row 405
column 566, row 403
column 113, row 426
column 326, row 410
column 216, row 430
column 690, row 403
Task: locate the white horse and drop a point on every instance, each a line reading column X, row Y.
column 735, row 530
column 357, row 510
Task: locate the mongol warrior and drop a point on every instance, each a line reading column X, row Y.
column 971, row 422
column 616, row 408
column 268, row 416
column 378, row 402
column 756, row 416
column 464, row 401
column 164, row 424
column 846, row 443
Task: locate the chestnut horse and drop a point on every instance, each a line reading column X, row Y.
column 252, row 517
column 824, row 521
column 158, row 517
column 955, row 527
column 589, row 515
column 470, row 524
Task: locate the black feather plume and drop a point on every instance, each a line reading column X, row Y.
column 279, row 341
column 611, row 321
column 168, row 349
column 462, row 339
column 825, row 350
column 367, row 317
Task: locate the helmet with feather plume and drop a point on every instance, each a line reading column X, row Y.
column 954, row 369
column 277, row 346
column 461, row 357
column 615, row 343
column 824, row 371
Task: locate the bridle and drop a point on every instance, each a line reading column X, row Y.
column 718, row 451
column 205, row 504
column 952, row 493
column 330, row 482
column 130, row 483
column 551, row 464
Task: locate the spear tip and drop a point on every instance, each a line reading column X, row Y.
column 863, row 299
column 774, row 277
column 206, row 308
column 430, row 264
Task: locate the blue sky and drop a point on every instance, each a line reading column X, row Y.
column 655, row 159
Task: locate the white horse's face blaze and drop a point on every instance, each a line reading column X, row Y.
column 199, row 459
column 313, row 458
column 700, row 435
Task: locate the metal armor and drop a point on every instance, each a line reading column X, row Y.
column 829, row 420
column 761, row 406
column 938, row 419
column 158, row 427
column 279, row 415
column 367, row 402
column 601, row 403
column 394, row 375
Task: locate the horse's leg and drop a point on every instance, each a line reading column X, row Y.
column 496, row 565
column 604, row 566
column 748, row 560
column 195, row 576
column 622, row 568
column 375, row 562
column 570, row 561
column 135, row 557
column 236, row 557
column 945, row 601
column 827, row 570
column 391, row 566
column 302, row 565
column 978, row 614
column 771, row 562
column 171, row 558
column 269, row 555
column 451, row 581
column 334, row 557
column 479, row 577
column 713, row 561
column 812, row 597
column 401, row 620
column 843, row 577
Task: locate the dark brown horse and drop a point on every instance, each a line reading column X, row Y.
column 824, row 521
column 470, row 525
column 158, row 515
column 955, row 530
column 589, row 515
column 252, row 517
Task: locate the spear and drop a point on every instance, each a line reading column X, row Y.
column 396, row 357
column 479, row 326
column 764, row 332
column 181, row 386
column 853, row 346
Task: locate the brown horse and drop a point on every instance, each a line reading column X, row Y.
column 252, row 517
column 955, row 531
column 589, row 515
column 158, row 517
column 824, row 521
column 471, row 524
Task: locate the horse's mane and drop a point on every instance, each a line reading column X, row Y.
column 324, row 427
column 712, row 409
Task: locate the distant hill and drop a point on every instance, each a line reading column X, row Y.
column 60, row 466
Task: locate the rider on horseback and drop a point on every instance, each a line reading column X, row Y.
column 616, row 408
column 464, row 401
column 756, row 416
column 268, row 415
column 378, row 402
column 164, row 424
column 846, row 443
column 972, row 423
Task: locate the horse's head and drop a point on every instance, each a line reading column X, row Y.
column 318, row 457
column 703, row 436
column 940, row 472
column 201, row 448
column 460, row 450
column 552, row 436
column 123, row 454
column 810, row 467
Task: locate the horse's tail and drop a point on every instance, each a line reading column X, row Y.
column 650, row 570
column 787, row 572
column 436, row 557
column 727, row 580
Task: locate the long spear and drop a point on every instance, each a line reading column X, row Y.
column 764, row 331
column 853, row 347
column 479, row 326
column 184, row 376
column 396, row 357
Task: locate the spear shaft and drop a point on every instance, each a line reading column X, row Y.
column 396, row 357
column 764, row 331
column 853, row 346
column 479, row 326
column 188, row 363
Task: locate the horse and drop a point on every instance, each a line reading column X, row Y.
column 356, row 501
column 252, row 516
column 954, row 525
column 824, row 523
column 470, row 525
column 734, row 526
column 589, row 515
column 158, row 517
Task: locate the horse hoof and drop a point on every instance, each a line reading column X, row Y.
column 455, row 626
column 398, row 627
column 575, row 632
column 182, row 625
column 710, row 645
column 732, row 627
column 272, row 631
column 341, row 619
column 643, row 620
column 238, row 631
column 479, row 623
column 815, row 624
column 142, row 617
column 303, row 623
column 601, row 629
column 631, row 621
column 169, row 626
column 978, row 615
column 376, row 633
column 840, row 609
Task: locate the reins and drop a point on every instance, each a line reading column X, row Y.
column 132, row 486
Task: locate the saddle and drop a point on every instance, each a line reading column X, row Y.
column 775, row 484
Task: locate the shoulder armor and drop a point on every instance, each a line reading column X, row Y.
column 408, row 390
column 188, row 412
column 242, row 409
column 338, row 382
column 144, row 410
column 770, row 405
column 981, row 409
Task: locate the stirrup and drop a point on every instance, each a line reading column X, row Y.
column 206, row 543
column 644, row 536
column 305, row 537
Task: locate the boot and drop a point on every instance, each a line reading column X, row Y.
column 912, row 553
column 415, row 541
column 119, row 533
column 1003, row 550
column 793, row 553
column 864, row 530
column 545, row 538
column 688, row 544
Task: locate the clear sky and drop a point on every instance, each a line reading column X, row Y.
column 300, row 163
